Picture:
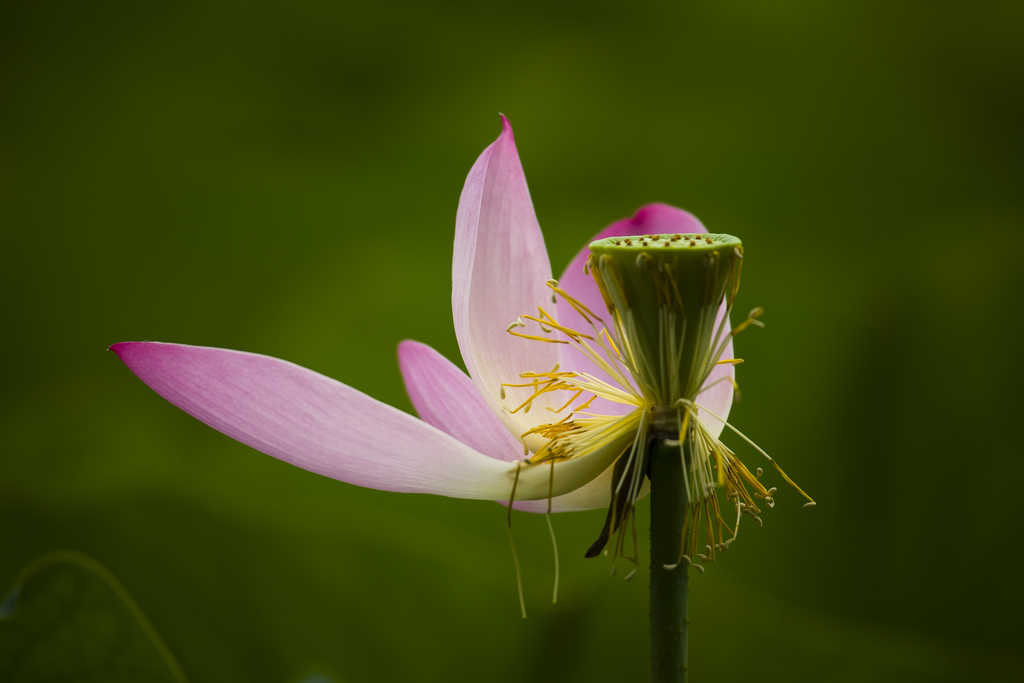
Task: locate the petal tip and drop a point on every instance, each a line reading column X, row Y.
column 120, row 348
column 136, row 352
column 506, row 127
column 406, row 347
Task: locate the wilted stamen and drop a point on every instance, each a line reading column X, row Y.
column 668, row 330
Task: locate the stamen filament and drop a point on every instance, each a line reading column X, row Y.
column 537, row 338
column 550, row 322
column 759, row 450
column 512, row 543
column 551, row 528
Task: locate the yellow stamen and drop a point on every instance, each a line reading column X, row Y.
column 551, row 323
column 569, row 402
column 586, row 404
column 759, row 450
column 536, row 338
column 577, row 305
column 611, row 341
column 685, row 426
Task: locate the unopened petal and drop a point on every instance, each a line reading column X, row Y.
column 499, row 271
column 324, row 426
column 446, row 397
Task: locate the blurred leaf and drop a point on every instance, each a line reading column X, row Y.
column 67, row 618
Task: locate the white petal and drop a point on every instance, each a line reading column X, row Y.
column 499, row 271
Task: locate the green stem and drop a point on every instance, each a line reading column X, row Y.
column 669, row 590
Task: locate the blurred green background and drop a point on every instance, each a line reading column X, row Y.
column 283, row 178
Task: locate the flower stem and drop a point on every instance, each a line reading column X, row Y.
column 669, row 589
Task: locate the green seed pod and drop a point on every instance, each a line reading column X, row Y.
column 664, row 293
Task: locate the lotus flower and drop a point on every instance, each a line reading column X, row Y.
column 484, row 435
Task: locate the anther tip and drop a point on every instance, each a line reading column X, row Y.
column 810, row 504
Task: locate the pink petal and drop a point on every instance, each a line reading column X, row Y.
column 499, row 272
column 648, row 219
column 321, row 425
column 446, row 397
column 718, row 399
